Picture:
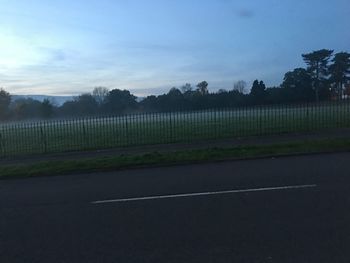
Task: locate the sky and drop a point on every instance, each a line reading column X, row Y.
column 65, row 47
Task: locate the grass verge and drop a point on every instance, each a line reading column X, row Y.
column 88, row 165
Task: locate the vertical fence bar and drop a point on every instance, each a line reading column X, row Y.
column 54, row 137
column 269, row 119
column 159, row 127
column 67, row 124
column 23, row 140
column 345, row 112
column 311, row 116
column 126, row 129
column 171, row 133
column 273, row 118
column 134, row 129
column 215, row 124
column 143, row 133
column 48, row 134
column 311, row 107
column 265, row 124
column 339, row 113
column 150, row 121
column 156, row 127
column 4, row 136
column 42, row 138
column 264, row 127
column 320, row 109
column 260, row 116
column 174, row 126
column 14, row 134
column 257, row 117
column 238, row 124
column 65, row 133
column 73, row 132
column 347, row 107
column 2, row 148
column 141, row 127
column 115, row 133
column 106, row 130
column 248, row 119
column 307, row 116
column 220, row 113
column 85, row 142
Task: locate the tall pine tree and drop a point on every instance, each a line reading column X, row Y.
column 317, row 66
column 340, row 71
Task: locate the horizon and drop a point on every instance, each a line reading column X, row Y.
column 147, row 48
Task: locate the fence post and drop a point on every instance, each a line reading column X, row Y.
column 171, row 127
column 307, row 117
column 215, row 124
column 84, row 139
column 43, row 139
column 126, row 130
column 260, row 120
column 2, row 148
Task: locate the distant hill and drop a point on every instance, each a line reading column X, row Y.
column 57, row 100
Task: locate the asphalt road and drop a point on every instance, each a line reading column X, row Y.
column 294, row 209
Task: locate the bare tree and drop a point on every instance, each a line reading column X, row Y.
column 202, row 88
column 100, row 94
column 240, row 86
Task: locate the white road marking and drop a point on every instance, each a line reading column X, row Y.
column 204, row 194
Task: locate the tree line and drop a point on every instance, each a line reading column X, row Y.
column 325, row 77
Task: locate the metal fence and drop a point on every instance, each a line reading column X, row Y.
column 91, row 133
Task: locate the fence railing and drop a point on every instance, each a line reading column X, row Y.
column 91, row 133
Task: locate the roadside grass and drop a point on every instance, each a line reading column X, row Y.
column 110, row 163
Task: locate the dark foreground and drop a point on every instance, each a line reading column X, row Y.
column 54, row 219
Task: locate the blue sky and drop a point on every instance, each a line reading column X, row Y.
column 65, row 47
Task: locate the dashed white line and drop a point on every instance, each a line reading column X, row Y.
column 134, row 199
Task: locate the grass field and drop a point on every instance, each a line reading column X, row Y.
column 156, row 128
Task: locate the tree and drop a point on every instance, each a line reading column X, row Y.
column 240, row 86
column 119, row 101
column 202, row 88
column 100, row 94
column 174, row 92
column 258, row 92
column 340, row 71
column 149, row 103
column 87, row 105
column 221, row 91
column 5, row 100
column 317, row 66
column 186, row 88
column 82, row 105
column 297, row 86
column 26, row 108
column 174, row 100
column 46, row 109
